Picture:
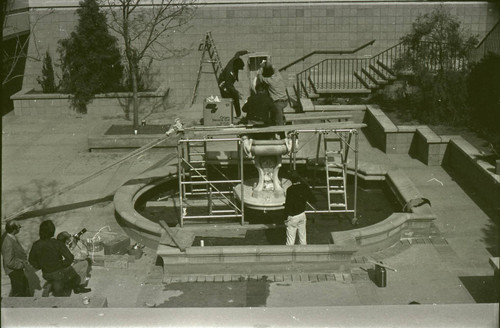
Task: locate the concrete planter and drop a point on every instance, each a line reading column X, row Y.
column 27, row 102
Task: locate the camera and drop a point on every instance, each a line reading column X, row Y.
column 78, row 235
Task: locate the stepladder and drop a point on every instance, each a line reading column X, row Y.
column 209, row 55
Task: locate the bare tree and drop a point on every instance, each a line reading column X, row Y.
column 144, row 26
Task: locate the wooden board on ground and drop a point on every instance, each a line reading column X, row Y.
column 176, row 237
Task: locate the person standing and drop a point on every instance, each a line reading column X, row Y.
column 55, row 259
column 297, row 195
column 276, row 88
column 15, row 260
column 228, row 77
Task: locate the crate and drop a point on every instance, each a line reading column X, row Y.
column 119, row 244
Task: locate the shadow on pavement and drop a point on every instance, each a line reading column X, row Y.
column 484, row 289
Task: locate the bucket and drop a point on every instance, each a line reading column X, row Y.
column 380, row 275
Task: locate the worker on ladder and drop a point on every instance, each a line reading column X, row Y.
column 227, row 79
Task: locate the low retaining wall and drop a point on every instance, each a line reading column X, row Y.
column 28, row 103
column 256, row 259
column 464, row 160
column 398, row 225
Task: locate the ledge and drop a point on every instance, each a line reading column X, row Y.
column 387, row 232
column 53, row 302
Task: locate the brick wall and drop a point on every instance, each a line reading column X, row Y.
column 286, row 31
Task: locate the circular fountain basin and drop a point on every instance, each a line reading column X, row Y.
column 367, row 236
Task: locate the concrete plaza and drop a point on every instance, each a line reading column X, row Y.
column 40, row 156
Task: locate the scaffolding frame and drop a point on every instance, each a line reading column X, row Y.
column 185, row 168
column 346, row 144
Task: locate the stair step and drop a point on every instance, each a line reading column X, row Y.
column 387, row 68
column 374, row 79
column 336, row 178
column 340, row 191
column 361, row 79
column 337, row 205
column 224, row 211
column 384, row 76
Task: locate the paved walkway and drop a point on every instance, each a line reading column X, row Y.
column 40, row 156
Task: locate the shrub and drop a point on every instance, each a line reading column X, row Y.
column 90, row 57
column 484, row 91
column 47, row 80
column 437, row 58
column 440, row 98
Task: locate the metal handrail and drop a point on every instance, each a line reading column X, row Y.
column 339, row 73
column 328, row 52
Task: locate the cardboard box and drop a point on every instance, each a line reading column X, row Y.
column 217, row 111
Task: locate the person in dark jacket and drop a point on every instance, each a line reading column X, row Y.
column 15, row 260
column 55, row 259
column 259, row 107
column 297, row 195
column 228, row 77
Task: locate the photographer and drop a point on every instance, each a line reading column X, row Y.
column 82, row 262
column 55, row 259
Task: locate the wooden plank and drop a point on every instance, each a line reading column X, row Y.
column 173, row 236
column 315, row 116
column 281, row 128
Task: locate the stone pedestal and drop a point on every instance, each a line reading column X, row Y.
column 267, row 192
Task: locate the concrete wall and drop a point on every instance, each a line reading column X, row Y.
column 286, row 31
column 29, row 103
column 464, row 160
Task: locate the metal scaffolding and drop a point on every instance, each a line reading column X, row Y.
column 197, row 190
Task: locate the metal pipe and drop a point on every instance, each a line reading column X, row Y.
column 180, row 174
column 240, row 169
column 205, row 139
column 211, row 217
column 356, row 176
column 211, row 182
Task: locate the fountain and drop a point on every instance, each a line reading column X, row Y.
column 264, row 194
column 267, row 192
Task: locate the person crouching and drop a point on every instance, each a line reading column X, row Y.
column 55, row 259
column 81, row 263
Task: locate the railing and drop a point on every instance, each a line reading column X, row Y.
column 339, row 73
column 327, row 52
column 489, row 43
